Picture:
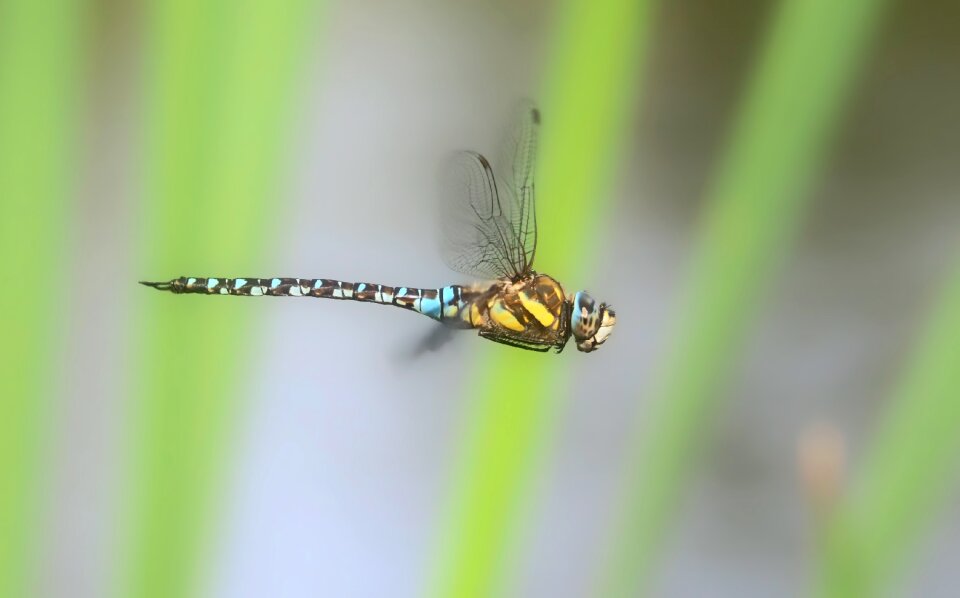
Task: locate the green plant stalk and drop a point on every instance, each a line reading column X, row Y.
column 220, row 88
column 586, row 109
column 910, row 468
column 41, row 62
column 807, row 65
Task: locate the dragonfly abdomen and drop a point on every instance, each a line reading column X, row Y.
column 445, row 304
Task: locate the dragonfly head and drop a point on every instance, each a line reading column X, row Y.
column 591, row 323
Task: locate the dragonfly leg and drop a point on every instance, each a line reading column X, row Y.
column 513, row 341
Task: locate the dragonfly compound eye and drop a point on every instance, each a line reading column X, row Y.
column 590, row 323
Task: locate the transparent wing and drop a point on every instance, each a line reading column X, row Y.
column 490, row 227
column 517, row 161
column 478, row 238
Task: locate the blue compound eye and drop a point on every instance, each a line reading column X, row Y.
column 584, row 317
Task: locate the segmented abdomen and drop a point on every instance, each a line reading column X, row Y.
column 447, row 304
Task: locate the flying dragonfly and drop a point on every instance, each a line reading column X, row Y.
column 490, row 233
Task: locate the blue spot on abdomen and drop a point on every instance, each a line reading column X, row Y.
column 430, row 307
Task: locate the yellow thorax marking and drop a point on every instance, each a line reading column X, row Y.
column 475, row 318
column 502, row 316
column 471, row 314
column 537, row 310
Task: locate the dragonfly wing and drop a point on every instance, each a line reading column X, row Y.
column 478, row 238
column 490, row 227
column 517, row 162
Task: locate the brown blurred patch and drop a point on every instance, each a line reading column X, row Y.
column 821, row 466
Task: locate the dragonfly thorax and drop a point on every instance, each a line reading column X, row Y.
column 590, row 323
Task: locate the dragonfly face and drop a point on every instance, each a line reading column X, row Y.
column 590, row 323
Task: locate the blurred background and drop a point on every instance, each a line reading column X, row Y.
column 767, row 193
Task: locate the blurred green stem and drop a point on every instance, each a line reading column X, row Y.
column 808, row 63
column 220, row 88
column 912, row 465
column 41, row 61
column 586, row 114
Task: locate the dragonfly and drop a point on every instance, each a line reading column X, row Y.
column 490, row 233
